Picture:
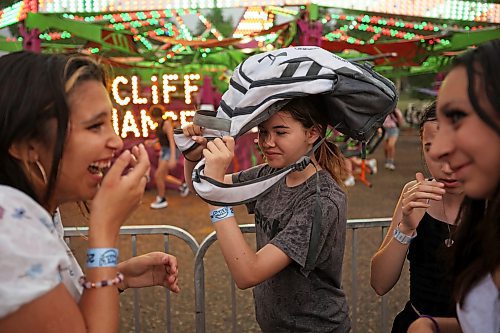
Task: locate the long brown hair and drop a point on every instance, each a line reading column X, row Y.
column 476, row 249
column 307, row 111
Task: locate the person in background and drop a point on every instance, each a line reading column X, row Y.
column 354, row 164
column 391, row 125
column 57, row 145
column 167, row 160
column 179, row 181
column 290, row 295
column 468, row 139
column 422, row 230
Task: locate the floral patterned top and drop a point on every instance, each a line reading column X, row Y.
column 34, row 258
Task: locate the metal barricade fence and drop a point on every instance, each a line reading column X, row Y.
column 134, row 231
column 354, row 224
column 199, row 250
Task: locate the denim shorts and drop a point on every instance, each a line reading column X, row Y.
column 391, row 132
column 165, row 153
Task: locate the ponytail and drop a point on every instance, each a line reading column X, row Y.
column 331, row 159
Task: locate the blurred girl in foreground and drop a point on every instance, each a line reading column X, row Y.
column 468, row 139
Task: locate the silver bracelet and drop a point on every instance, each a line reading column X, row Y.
column 401, row 237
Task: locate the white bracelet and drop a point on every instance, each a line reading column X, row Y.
column 401, row 237
column 221, row 213
column 102, row 257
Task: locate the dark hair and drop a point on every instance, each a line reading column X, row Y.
column 307, row 111
column 476, row 249
column 428, row 115
column 157, row 111
column 483, row 64
column 34, row 90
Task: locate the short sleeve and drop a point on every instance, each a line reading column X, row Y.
column 247, row 175
column 295, row 237
column 31, row 256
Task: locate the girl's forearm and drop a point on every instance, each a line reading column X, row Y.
column 386, row 266
column 239, row 256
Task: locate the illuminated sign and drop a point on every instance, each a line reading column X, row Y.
column 126, row 91
column 140, row 127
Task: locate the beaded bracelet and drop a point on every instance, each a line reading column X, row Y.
column 436, row 329
column 104, row 283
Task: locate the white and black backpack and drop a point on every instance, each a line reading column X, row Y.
column 357, row 100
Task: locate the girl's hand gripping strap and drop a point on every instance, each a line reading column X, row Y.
column 213, row 128
column 186, row 144
column 208, row 119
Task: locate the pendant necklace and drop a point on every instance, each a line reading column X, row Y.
column 448, row 241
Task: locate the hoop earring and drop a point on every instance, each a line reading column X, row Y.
column 42, row 171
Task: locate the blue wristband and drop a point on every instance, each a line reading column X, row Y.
column 102, row 257
column 222, row 213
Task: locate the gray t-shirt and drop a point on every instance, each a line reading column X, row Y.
column 297, row 299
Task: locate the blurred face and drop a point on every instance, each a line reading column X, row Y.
column 284, row 140
column 440, row 171
column 91, row 143
column 470, row 146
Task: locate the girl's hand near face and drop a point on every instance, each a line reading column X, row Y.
column 218, row 155
column 416, row 198
column 119, row 194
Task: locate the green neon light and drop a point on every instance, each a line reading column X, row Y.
column 11, row 14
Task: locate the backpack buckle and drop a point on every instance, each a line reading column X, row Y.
column 195, row 176
column 302, row 163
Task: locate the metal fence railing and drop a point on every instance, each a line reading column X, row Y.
column 200, row 249
column 134, row 231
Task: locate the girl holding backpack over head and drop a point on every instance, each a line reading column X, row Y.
column 290, row 295
column 291, row 95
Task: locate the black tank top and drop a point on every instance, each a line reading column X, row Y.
column 162, row 136
column 430, row 283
